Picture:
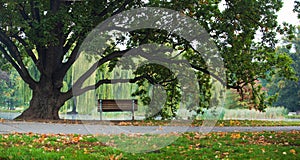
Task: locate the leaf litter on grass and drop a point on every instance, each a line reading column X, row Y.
column 194, row 145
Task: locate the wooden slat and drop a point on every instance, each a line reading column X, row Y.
column 118, row 105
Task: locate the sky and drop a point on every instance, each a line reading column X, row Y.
column 286, row 13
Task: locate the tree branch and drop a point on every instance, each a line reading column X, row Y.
column 93, row 68
column 34, row 11
column 17, row 67
column 122, row 7
column 69, row 43
column 73, row 57
column 24, row 15
column 28, row 50
column 10, row 60
column 14, row 52
column 78, row 92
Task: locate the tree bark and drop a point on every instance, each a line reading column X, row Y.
column 45, row 103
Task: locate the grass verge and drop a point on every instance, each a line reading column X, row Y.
column 293, row 117
column 244, row 145
column 220, row 123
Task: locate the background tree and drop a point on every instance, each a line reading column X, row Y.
column 288, row 91
column 14, row 92
column 50, row 33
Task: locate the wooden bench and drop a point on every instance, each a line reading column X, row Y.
column 118, row 105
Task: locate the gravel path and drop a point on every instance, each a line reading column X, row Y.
column 55, row 128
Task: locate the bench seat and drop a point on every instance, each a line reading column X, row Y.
column 117, row 105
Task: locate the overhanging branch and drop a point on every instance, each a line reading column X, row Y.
column 94, row 67
column 77, row 92
column 122, row 7
column 16, row 58
column 17, row 67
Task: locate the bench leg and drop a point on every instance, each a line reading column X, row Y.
column 100, row 105
column 132, row 115
column 133, row 105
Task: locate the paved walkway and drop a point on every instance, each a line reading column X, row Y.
column 55, row 128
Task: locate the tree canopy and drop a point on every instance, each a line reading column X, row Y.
column 288, row 90
column 49, row 35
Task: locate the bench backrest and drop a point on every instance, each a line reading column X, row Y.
column 113, row 105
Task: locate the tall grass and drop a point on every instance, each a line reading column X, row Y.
column 208, row 114
column 270, row 113
column 223, row 114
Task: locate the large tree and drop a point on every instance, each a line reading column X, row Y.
column 51, row 32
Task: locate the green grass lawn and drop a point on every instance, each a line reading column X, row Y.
column 256, row 123
column 219, row 123
column 252, row 145
column 293, row 117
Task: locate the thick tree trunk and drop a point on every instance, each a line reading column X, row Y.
column 45, row 103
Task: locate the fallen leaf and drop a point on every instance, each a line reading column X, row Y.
column 225, row 154
column 112, row 157
column 119, row 156
column 85, row 151
column 221, row 134
column 292, row 151
column 75, row 139
column 235, row 135
column 124, row 124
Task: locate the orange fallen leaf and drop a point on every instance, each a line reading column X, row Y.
column 111, row 157
column 221, row 134
column 124, row 123
column 75, row 139
column 119, row 156
column 235, row 135
column 293, row 151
